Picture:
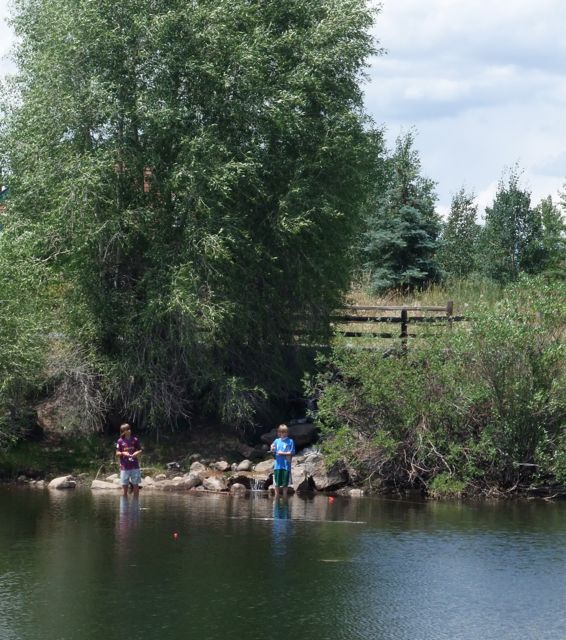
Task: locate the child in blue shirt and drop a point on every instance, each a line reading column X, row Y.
column 284, row 449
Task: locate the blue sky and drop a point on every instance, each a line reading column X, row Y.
column 483, row 82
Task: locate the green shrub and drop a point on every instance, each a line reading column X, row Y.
column 475, row 408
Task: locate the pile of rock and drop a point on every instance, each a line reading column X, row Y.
column 309, row 473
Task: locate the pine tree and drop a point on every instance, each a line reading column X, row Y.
column 402, row 228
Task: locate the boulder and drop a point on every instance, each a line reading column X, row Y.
column 198, row 467
column 181, row 483
column 160, row 476
column 221, row 465
column 265, row 467
column 246, row 481
column 112, row 477
column 22, row 480
column 245, row 465
column 250, row 453
column 238, row 489
column 356, row 493
column 148, row 481
column 97, row 485
column 63, row 482
column 302, row 434
column 214, row 484
column 322, row 477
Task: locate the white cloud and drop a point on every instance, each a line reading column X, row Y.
column 482, row 83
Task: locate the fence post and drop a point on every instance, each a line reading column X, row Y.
column 450, row 312
column 404, row 329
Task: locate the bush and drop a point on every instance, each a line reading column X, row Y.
column 476, row 409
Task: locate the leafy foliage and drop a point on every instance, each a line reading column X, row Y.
column 473, row 411
column 511, row 239
column 189, row 176
column 459, row 244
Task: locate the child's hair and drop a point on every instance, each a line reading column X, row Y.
column 283, row 427
column 124, row 427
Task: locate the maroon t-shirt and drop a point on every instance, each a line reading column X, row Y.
column 130, row 445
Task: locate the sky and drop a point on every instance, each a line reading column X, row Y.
column 481, row 82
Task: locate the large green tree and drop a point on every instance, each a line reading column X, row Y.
column 458, row 251
column 553, row 235
column 190, row 173
column 402, row 227
column 512, row 236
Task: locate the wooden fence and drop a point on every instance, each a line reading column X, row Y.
column 405, row 316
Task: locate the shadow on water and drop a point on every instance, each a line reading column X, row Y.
column 215, row 567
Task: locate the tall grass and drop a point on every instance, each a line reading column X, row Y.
column 467, row 294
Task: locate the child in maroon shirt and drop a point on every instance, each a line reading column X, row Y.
column 128, row 449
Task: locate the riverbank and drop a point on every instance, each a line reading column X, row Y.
column 223, row 465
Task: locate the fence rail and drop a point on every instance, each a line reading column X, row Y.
column 352, row 315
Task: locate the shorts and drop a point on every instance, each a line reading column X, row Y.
column 281, row 477
column 130, row 475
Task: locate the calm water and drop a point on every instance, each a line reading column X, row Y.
column 80, row 566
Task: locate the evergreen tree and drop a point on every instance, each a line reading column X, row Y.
column 191, row 174
column 402, row 228
column 458, row 251
column 512, row 236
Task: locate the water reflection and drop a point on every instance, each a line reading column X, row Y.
column 281, row 526
column 346, row 569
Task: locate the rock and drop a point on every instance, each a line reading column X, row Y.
column 315, row 467
column 198, row 467
column 250, row 453
column 22, row 480
column 302, row 434
column 234, row 467
column 40, row 484
column 102, row 484
column 245, row 465
column 113, row 477
column 246, row 481
column 214, row 484
column 173, row 466
column 264, row 467
column 238, row 489
column 148, row 481
column 160, row 477
column 63, row 482
column 356, row 493
column 301, row 481
column 222, row 466
column 194, row 457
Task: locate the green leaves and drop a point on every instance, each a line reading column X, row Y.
column 463, row 411
column 191, row 176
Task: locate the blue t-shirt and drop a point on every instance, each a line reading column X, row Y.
column 283, row 445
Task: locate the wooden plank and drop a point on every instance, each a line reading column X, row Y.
column 394, row 308
column 392, row 319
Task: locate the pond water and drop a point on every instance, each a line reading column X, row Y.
column 82, row 566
